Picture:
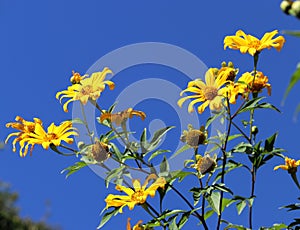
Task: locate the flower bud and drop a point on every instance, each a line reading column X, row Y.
column 296, row 8
column 254, row 130
column 286, row 6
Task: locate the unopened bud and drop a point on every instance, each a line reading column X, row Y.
column 286, row 6
column 254, row 130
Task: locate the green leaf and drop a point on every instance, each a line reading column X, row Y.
column 115, row 173
column 208, row 214
column 143, row 141
column 158, row 135
column 173, row 224
column 275, row 227
column 157, row 153
column 250, row 104
column 77, row 121
column 214, row 201
column 240, row 206
column 294, row 79
column 196, row 195
column 111, row 108
column 269, row 143
column 74, row 168
column 237, row 227
column 106, row 217
column 213, row 118
column 180, row 174
column 184, row 218
column 292, row 32
column 116, row 150
column 182, row 149
column 164, row 167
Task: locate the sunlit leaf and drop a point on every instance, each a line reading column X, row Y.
column 294, row 79
column 74, row 168
column 214, row 201
column 107, row 216
column 182, row 149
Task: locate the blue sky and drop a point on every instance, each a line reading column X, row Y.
column 43, row 41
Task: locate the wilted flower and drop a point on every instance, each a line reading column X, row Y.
column 120, row 117
column 100, row 151
column 205, row 164
column 194, row 137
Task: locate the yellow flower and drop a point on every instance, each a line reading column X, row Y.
column 245, row 84
column 25, row 129
column 33, row 133
column 260, row 82
column 89, row 88
column 138, row 225
column 248, row 43
column 120, row 117
column 290, row 165
column 229, row 72
column 135, row 196
column 54, row 135
column 76, row 77
column 210, row 93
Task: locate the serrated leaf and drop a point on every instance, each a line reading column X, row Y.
column 74, row 168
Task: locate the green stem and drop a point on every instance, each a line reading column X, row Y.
column 224, row 163
column 85, row 123
column 253, row 170
column 295, row 179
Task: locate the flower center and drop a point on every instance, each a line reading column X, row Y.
column 51, row 136
column 86, row 90
column 210, row 92
column 254, row 44
column 138, row 197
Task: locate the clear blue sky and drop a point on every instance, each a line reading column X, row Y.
column 43, row 41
